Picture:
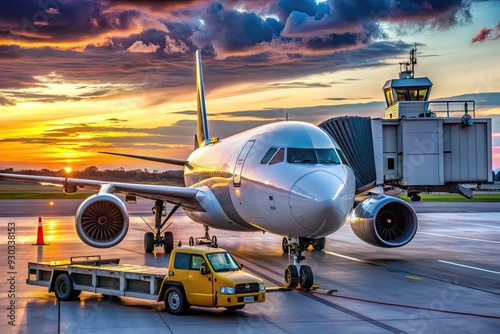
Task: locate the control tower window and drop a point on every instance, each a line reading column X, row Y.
column 389, row 98
column 422, row 94
column 402, row 94
column 411, row 94
column 418, row 94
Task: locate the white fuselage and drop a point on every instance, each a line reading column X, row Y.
column 288, row 197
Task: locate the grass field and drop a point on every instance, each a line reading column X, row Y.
column 480, row 197
column 20, row 190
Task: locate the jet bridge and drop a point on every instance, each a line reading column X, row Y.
column 418, row 152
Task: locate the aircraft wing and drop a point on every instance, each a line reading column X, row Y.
column 186, row 197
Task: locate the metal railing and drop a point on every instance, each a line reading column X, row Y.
column 450, row 108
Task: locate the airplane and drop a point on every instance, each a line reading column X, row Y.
column 287, row 178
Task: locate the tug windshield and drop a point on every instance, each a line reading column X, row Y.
column 222, row 262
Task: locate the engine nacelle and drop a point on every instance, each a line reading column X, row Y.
column 70, row 188
column 384, row 221
column 102, row 221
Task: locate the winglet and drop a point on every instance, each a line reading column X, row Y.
column 203, row 138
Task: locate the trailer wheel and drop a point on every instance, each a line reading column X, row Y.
column 168, row 242
column 75, row 293
column 149, row 242
column 175, row 301
column 63, row 287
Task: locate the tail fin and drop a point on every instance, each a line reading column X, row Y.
column 202, row 136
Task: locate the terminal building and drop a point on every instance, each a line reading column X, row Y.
column 420, row 145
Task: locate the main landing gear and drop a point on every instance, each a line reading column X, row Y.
column 414, row 197
column 297, row 275
column 152, row 239
column 205, row 240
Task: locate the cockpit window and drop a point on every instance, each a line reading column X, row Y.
column 342, row 156
column 278, row 157
column 311, row 155
column 268, row 155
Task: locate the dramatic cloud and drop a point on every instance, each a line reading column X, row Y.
column 299, row 84
column 122, row 47
column 140, row 47
column 313, row 114
column 487, row 34
column 175, row 45
column 5, row 101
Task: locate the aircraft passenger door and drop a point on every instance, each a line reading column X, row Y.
column 240, row 162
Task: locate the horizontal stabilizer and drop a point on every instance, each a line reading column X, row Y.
column 170, row 161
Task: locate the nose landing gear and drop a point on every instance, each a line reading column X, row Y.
column 297, row 275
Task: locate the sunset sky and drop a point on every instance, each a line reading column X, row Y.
column 78, row 77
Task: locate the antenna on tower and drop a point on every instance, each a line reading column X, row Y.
column 407, row 69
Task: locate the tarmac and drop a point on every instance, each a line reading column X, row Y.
column 447, row 280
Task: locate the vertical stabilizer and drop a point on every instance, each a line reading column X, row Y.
column 202, row 136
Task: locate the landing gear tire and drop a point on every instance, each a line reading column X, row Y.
column 149, row 242
column 284, row 245
column 234, row 308
column 191, row 241
column 291, row 276
column 63, row 287
column 175, row 301
column 319, row 244
column 168, row 242
column 306, row 280
column 414, row 197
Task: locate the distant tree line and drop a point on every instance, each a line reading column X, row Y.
column 119, row 174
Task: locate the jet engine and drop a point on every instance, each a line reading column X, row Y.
column 102, row 220
column 384, row 221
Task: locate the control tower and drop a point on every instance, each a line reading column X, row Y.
column 406, row 88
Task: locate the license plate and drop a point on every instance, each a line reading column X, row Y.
column 249, row 299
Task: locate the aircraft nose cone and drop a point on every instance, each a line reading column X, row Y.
column 320, row 202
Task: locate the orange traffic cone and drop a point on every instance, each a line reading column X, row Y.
column 39, row 235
